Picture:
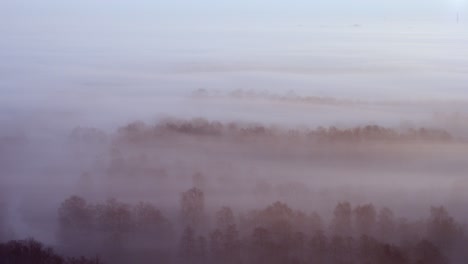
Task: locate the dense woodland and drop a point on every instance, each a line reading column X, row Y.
column 292, row 97
column 203, row 127
column 31, row 251
column 118, row 232
column 275, row 234
column 141, row 160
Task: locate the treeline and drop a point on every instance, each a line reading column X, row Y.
column 275, row 234
column 31, row 251
column 118, row 231
column 290, row 96
column 139, row 131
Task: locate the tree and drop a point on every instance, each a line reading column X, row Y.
column 224, row 218
column 371, row 250
column 390, row 254
column 426, row 252
column 74, row 212
column 341, row 222
column 365, row 219
column 442, row 228
column 151, row 227
column 231, row 245
column 315, row 222
column 216, row 245
column 75, row 221
column 193, row 203
column 2, row 217
column 114, row 223
column 337, row 249
column 342, row 249
column 225, row 245
column 386, row 225
column 188, row 247
column 148, row 218
column 31, row 251
column 201, row 250
column 319, row 247
column 298, row 247
column 114, row 217
column 261, row 246
column 278, row 217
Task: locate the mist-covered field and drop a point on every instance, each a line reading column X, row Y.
column 223, row 138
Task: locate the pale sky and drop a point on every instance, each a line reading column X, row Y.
column 31, row 14
column 176, row 46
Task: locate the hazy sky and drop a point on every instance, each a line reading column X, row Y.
column 91, row 50
column 31, row 14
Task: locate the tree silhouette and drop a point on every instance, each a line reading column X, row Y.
column 274, row 234
column 2, row 217
column 443, row 231
column 224, row 218
column 114, row 222
column 231, row 245
column 188, row 247
column 148, row 219
column 201, row 250
column 216, row 245
column 261, row 246
column 31, row 251
column 318, row 247
column 75, row 218
column 193, row 204
column 341, row 222
column 365, row 219
column 74, row 212
column 427, row 253
column 386, row 224
column 150, row 227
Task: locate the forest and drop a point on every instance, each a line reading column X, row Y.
column 185, row 191
column 117, row 232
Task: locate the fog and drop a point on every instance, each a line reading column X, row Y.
column 151, row 132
